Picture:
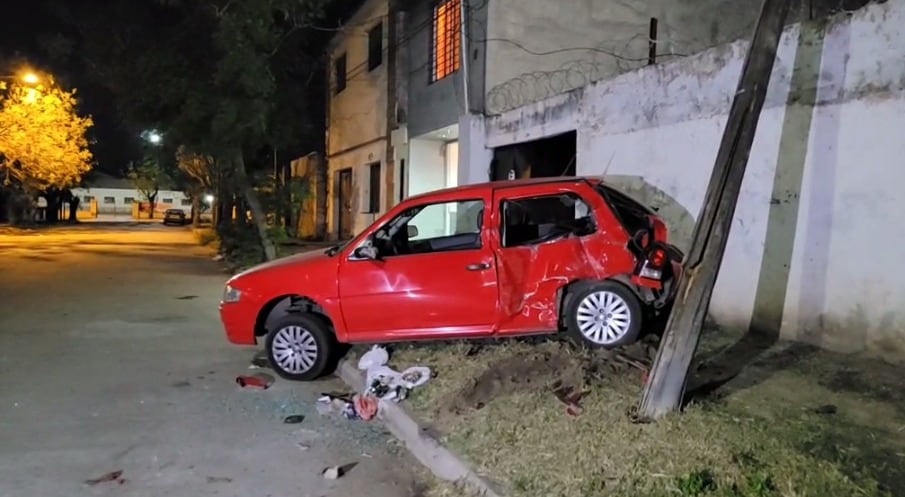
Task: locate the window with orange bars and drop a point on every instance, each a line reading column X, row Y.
column 446, row 52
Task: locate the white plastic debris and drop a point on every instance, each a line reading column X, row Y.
column 386, row 382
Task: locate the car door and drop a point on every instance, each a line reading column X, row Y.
column 541, row 249
column 438, row 281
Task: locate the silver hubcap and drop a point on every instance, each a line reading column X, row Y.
column 603, row 317
column 294, row 349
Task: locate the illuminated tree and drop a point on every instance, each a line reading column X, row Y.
column 199, row 169
column 43, row 143
column 148, row 177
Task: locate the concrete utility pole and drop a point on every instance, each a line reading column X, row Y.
column 666, row 384
column 392, row 101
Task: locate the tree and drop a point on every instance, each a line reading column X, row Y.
column 199, row 169
column 43, row 145
column 213, row 75
column 148, row 177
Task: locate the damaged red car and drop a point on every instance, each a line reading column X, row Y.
column 492, row 260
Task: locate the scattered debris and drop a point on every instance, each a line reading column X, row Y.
column 303, row 447
column 108, row 477
column 386, row 383
column 181, row 384
column 260, row 361
column 187, row 297
column 336, row 472
column 366, row 406
column 332, row 473
column 293, row 419
column 826, row 409
column 258, row 380
column 218, row 257
column 330, row 403
column 219, row 479
column 568, row 396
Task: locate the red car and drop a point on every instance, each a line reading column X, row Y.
column 498, row 259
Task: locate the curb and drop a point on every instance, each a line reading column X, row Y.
column 426, row 449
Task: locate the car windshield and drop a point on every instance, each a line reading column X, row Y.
column 632, row 214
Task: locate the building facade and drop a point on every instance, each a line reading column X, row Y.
column 639, row 91
column 420, row 126
column 357, row 138
column 116, row 196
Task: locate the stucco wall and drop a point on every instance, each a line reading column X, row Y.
column 818, row 225
column 358, row 113
column 431, row 106
column 357, row 160
column 356, row 116
column 538, row 48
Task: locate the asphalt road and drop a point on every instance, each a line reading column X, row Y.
column 112, row 358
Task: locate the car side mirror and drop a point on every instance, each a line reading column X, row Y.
column 412, row 231
column 366, row 252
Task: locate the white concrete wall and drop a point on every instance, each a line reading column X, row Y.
column 539, row 48
column 818, row 229
column 427, row 172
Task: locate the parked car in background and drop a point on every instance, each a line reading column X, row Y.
column 175, row 216
column 498, row 259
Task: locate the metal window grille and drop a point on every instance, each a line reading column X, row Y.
column 446, row 52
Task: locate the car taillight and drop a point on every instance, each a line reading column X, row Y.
column 657, row 258
column 652, row 264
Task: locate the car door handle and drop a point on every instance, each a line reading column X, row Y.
column 478, row 267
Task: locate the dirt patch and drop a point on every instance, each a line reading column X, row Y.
column 520, row 373
column 769, row 432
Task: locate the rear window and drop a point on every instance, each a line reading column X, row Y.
column 632, row 214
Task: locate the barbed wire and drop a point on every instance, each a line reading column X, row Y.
column 613, row 57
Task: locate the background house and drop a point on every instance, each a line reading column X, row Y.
column 116, row 196
column 356, row 146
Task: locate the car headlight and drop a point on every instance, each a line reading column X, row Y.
column 231, row 294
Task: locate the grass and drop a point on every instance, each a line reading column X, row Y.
column 771, row 435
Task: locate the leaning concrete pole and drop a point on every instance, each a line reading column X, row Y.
column 666, row 384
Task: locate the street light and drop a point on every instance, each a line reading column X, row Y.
column 30, row 78
column 209, row 198
column 154, row 137
column 27, row 77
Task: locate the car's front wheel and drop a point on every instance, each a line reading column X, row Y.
column 604, row 314
column 300, row 347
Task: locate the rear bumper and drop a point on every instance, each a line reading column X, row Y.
column 238, row 320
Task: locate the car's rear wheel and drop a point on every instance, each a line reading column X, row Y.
column 604, row 315
column 300, row 347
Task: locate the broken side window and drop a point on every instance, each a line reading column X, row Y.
column 534, row 220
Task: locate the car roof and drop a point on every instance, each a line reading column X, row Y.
column 504, row 184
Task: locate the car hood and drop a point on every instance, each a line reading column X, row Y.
column 295, row 261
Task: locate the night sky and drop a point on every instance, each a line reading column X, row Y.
column 27, row 28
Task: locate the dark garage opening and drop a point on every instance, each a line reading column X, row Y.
column 545, row 158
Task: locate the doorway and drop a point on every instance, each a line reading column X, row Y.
column 344, row 203
column 543, row 158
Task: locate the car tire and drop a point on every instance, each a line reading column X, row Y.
column 605, row 314
column 300, row 347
